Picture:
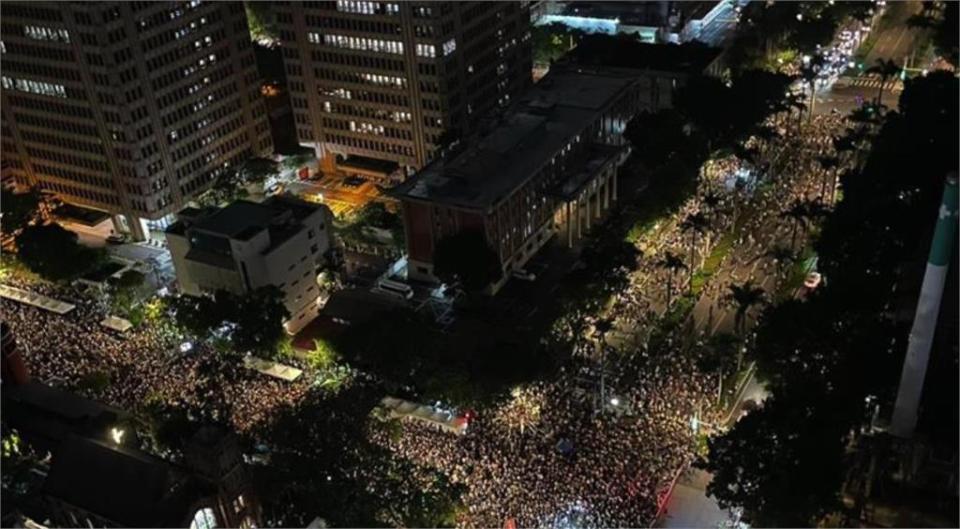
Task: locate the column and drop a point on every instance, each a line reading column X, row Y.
column 579, row 224
column 614, row 177
column 569, row 227
column 606, row 190
column 586, row 204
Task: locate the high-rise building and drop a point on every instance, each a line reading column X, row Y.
column 385, row 80
column 128, row 107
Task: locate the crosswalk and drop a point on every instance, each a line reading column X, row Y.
column 874, row 82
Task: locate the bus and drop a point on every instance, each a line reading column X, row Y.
column 394, row 288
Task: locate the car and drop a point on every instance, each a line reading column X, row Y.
column 116, row 238
column 812, row 280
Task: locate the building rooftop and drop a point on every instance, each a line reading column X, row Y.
column 544, row 120
column 124, row 486
column 624, row 51
column 212, row 228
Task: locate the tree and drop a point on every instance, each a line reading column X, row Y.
column 259, row 318
column 696, row 224
column 800, row 214
column 465, row 258
column 249, row 322
column 782, row 256
column 781, row 463
column 656, row 136
column 757, row 94
column 709, row 105
column 673, row 264
column 810, row 73
column 53, row 252
column 719, row 355
column 829, row 164
column 886, row 69
column 746, row 296
column 257, row 170
column 18, row 210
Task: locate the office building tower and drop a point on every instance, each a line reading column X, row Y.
column 131, row 108
column 383, row 81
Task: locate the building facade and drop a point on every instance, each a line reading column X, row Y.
column 549, row 167
column 282, row 242
column 132, row 108
column 385, row 80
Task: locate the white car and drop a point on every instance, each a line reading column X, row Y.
column 812, row 280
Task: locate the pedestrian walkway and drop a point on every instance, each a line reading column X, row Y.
column 871, row 81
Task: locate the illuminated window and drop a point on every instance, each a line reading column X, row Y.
column 204, row 519
column 42, row 33
column 364, row 43
column 426, row 50
column 35, row 87
column 449, row 47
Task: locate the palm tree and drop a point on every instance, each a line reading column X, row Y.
column 746, row 296
column 809, row 74
column 886, row 69
column 719, row 355
column 695, row 224
column 781, row 255
column 672, row 263
column 829, row 164
column 799, row 214
column 794, row 101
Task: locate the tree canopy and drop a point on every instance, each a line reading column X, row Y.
column 54, row 253
column 783, row 464
column 17, row 209
column 467, row 259
column 251, row 322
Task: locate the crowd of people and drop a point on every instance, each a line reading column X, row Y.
column 139, row 366
column 559, row 452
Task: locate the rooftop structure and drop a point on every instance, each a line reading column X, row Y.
column 548, row 161
column 246, row 245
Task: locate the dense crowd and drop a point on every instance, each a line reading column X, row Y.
column 559, row 452
column 142, row 365
column 555, row 454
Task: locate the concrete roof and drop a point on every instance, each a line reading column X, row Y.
column 544, row 120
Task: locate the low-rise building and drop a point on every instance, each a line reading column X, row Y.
column 548, row 165
column 282, row 241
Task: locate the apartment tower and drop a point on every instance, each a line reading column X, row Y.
column 131, row 108
column 383, row 81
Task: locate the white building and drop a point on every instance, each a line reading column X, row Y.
column 246, row 245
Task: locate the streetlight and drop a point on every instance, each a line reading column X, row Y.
column 799, row 17
column 615, row 401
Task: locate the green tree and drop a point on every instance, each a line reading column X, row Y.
column 258, row 320
column 656, row 136
column 465, row 258
column 780, row 463
column 672, row 264
column 53, row 252
column 782, row 256
column 249, row 322
column 18, row 210
column 886, row 69
column 257, row 170
column 694, row 225
column 745, row 296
